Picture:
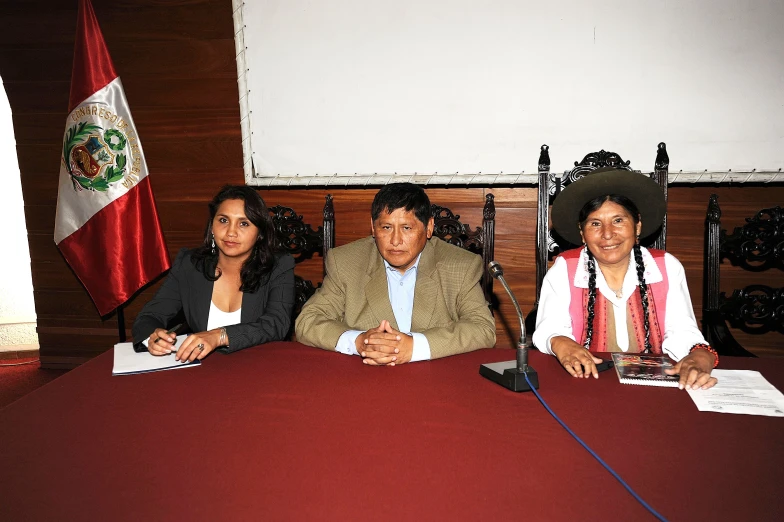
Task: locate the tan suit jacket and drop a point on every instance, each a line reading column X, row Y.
column 449, row 306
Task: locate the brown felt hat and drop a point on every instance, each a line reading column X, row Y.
column 646, row 194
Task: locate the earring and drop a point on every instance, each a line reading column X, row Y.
column 638, row 239
column 213, row 244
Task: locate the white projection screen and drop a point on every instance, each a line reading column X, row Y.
column 457, row 91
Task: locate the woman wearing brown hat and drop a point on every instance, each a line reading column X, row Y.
column 612, row 294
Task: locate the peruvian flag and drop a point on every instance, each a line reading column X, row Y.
column 107, row 224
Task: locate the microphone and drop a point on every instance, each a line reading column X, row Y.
column 511, row 374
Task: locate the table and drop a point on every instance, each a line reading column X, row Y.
column 287, row 432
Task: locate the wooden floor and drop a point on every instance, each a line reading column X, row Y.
column 18, row 351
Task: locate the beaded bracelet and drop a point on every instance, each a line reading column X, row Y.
column 703, row 346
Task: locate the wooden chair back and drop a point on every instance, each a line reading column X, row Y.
column 549, row 245
column 299, row 239
column 757, row 246
column 449, row 228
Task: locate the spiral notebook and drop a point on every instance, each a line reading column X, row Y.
column 644, row 369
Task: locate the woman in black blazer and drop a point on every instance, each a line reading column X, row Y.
column 235, row 290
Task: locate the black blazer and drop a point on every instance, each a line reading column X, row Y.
column 265, row 317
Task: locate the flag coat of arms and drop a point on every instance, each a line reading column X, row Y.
column 107, row 225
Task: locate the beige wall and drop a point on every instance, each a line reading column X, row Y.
column 17, row 309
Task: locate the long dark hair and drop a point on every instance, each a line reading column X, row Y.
column 631, row 208
column 262, row 256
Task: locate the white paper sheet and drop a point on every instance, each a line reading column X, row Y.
column 129, row 362
column 740, row 391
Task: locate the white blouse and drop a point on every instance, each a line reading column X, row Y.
column 553, row 319
column 218, row 318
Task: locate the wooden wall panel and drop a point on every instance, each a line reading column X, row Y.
column 154, row 125
column 144, row 93
column 124, row 23
column 176, row 59
column 185, row 59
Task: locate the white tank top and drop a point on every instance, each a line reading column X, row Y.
column 218, row 318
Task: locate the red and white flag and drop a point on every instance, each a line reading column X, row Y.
column 107, row 225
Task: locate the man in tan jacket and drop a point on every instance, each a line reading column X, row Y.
column 401, row 295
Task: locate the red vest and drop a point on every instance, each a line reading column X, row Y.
column 657, row 306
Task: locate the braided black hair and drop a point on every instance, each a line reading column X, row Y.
column 630, row 207
column 591, row 298
column 643, row 295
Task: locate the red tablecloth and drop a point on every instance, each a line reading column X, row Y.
column 286, row 432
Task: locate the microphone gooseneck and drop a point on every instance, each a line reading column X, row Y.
column 513, row 375
column 497, row 272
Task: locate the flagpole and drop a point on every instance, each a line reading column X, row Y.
column 121, row 322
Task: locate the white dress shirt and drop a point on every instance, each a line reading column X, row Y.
column 553, row 319
column 401, row 296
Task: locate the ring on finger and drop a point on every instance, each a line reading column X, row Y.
column 200, row 346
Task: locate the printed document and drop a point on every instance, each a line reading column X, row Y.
column 128, row 362
column 740, row 391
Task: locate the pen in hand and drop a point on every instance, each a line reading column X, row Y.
column 170, row 331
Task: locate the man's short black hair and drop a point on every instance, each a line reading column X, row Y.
column 407, row 196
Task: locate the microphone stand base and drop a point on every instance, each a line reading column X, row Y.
column 507, row 375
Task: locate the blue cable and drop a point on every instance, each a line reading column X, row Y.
column 597, row 457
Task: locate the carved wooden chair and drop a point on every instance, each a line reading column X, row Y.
column 449, row 228
column 548, row 246
column 756, row 246
column 299, row 239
